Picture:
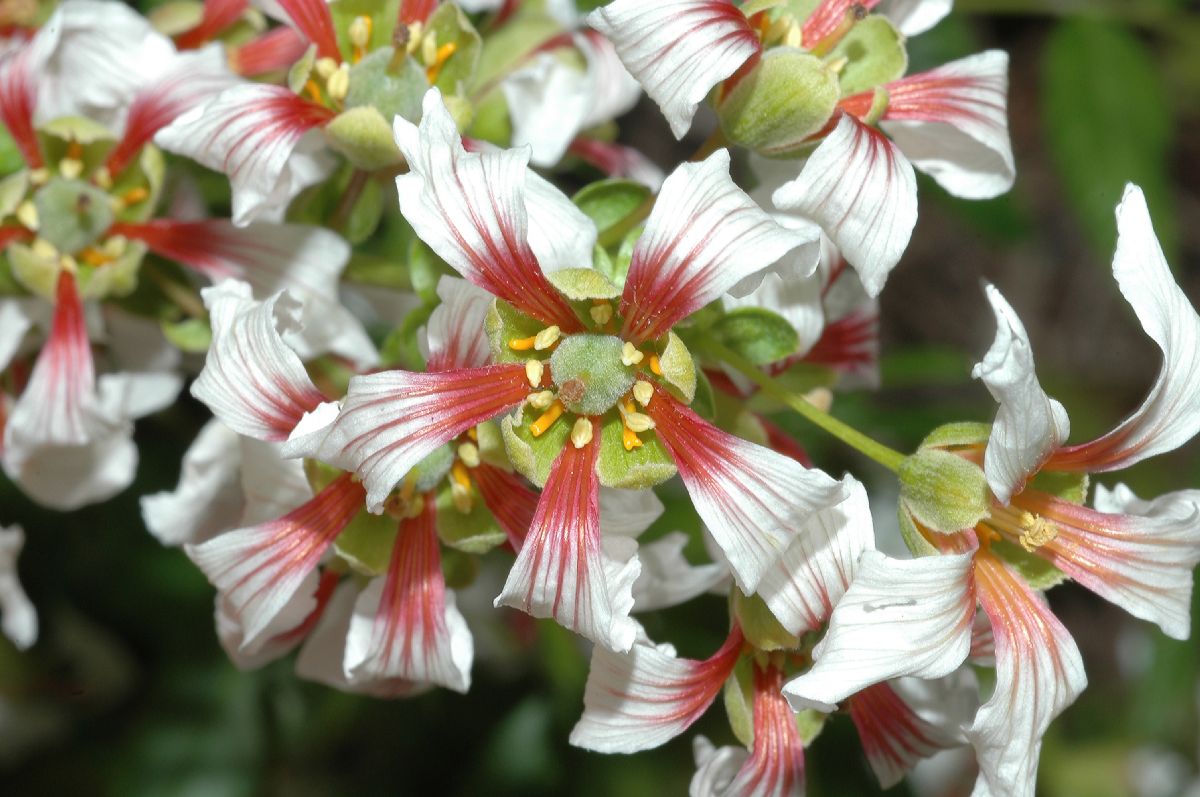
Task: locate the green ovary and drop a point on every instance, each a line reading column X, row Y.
column 589, row 374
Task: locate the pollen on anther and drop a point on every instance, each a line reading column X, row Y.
column 534, row 369
column 655, row 365
column 630, row 355
column 546, row 338
column 469, row 454
column 581, row 432
column 643, row 391
column 601, row 313
column 540, row 401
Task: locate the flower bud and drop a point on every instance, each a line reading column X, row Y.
column 943, row 491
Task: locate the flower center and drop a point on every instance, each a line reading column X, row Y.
column 590, row 373
column 72, row 214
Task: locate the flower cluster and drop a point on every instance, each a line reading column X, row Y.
column 427, row 364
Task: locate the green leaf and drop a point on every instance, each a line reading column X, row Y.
column 1108, row 121
column 364, row 216
column 426, row 269
column 874, row 53
column 759, row 335
column 400, row 346
column 613, row 205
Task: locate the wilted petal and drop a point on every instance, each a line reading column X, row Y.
column 1170, row 415
column 893, row 736
column 255, row 134
column 952, row 123
column 703, row 237
column 678, row 49
column 565, row 569
column 471, row 209
column 1029, row 424
column 1038, row 674
column 406, row 625
column 819, row 566
column 863, row 193
column 1137, row 554
column 618, row 160
column 208, row 498
column 899, row 617
column 305, row 261
column 753, row 500
column 259, row 569
column 251, row 380
column 775, row 767
column 716, row 767
column 648, row 696
column 392, row 420
column 456, row 334
column 18, row 618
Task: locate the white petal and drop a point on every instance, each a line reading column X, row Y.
column 252, row 380
column 627, row 513
column 470, row 207
column 18, row 618
column 952, row 123
column 549, row 99
column 1170, row 415
column 66, row 477
column 899, row 617
column 703, row 237
column 678, row 49
column 1029, row 424
column 1038, row 674
column 208, row 498
column 863, row 193
column 15, row 322
column 819, row 566
column 893, row 736
column 565, row 569
column 271, row 484
column 648, row 696
column 560, row 235
column 456, row 334
column 613, row 90
column 668, row 578
column 262, row 137
column 915, row 16
column 753, row 500
column 136, row 395
column 715, row 767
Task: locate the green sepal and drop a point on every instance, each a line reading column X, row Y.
column 917, row 545
column 191, row 335
column 298, row 74
column 391, row 93
column 11, row 158
column 704, row 402
column 459, row 569
column 176, row 16
column 757, row 334
column 944, row 492
column 12, row 192
column 150, row 172
column 475, row 532
column 429, row 472
column 533, row 456
column 583, row 284
column 678, row 367
column 755, row 6
column 366, row 543
column 450, row 24
column 639, row 469
column 810, row 723
column 365, row 138
column 874, row 53
column 786, row 98
column 508, row 45
column 624, row 257
column 382, row 13
column 491, row 446
column 504, row 323
column 426, row 269
column 56, row 136
column 1037, row 572
column 613, row 206
column 738, row 696
column 956, row 435
column 400, row 347
column 1071, row 487
column 759, row 625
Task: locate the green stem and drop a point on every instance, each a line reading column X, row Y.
column 868, row 447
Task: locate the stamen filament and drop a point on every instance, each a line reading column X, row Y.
column 547, row 419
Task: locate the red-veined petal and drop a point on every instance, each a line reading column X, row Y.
column 456, row 334
column 893, row 736
column 775, row 767
column 273, row 51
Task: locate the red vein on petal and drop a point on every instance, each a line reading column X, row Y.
column 776, row 763
column 18, row 98
column 273, row 51
column 218, row 15
column 313, row 19
column 893, row 736
column 510, row 500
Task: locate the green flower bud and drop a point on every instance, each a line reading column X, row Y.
column 943, row 491
column 759, row 625
column 365, row 138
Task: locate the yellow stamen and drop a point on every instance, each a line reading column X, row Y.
column 546, row 338
column 314, row 91
column 601, row 313
column 522, row 344
column 443, row 55
column 338, row 85
column 429, row 50
column 325, row 67
column 629, row 439
column 468, row 453
column 794, row 35
column 473, row 433
column 38, row 177
column 643, row 391
column 94, row 257
column 415, row 33
column 70, row 168
column 27, row 214
column 820, row 397
column 630, row 354
column 655, row 366
column 134, row 196
column 44, row 249
column 75, row 151
column 581, row 432
column 637, row 422
column 1038, row 531
column 534, row 369
column 547, row 419
column 360, row 36
column 540, row 401
column 68, row 264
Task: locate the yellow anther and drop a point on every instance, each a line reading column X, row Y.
column 638, row 422
column 547, row 419
column 837, row 65
column 39, row 177
column 522, row 344
column 546, row 338
column 415, row 33
column 820, row 397
column 360, row 36
column 643, row 391
column 533, row 372
column 68, row 264
column 460, row 487
column 114, row 246
column 94, row 257
column 779, row 28
column 103, row 178
column 325, row 67
column 440, row 58
column 655, row 365
column 429, row 50
column 793, row 37
column 338, row 84
column 408, row 488
column 27, row 214
column 601, row 313
column 629, row 439
column 540, row 401
column 134, row 196
column 630, row 354
column 414, row 507
column 44, row 249
column 1038, row 531
column 70, row 168
column 313, row 90
column 469, row 454
column 75, row 150
column 473, row 433
column 581, row 432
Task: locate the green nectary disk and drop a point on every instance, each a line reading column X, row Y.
column 589, row 374
column 72, row 214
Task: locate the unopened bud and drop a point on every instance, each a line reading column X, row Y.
column 786, row 98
